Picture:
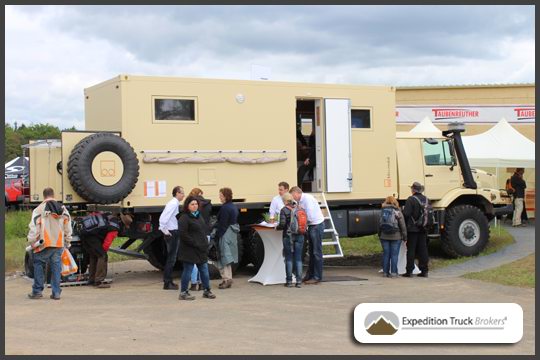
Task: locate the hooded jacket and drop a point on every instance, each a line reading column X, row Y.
column 51, row 223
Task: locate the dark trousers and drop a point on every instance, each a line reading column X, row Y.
column 417, row 247
column 173, row 243
column 315, row 267
column 186, row 275
column 302, row 171
column 97, row 268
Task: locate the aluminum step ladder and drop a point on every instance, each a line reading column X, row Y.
column 329, row 227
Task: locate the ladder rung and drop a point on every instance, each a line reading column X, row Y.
column 327, row 218
column 332, row 256
column 328, row 230
column 330, row 243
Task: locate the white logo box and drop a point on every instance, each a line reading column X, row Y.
column 478, row 323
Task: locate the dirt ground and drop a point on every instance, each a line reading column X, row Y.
column 136, row 316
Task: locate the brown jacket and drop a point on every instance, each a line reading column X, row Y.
column 402, row 233
column 50, row 222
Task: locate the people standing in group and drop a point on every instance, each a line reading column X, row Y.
column 277, row 202
column 96, row 243
column 519, row 185
column 50, row 232
column 392, row 231
column 315, row 219
column 416, row 235
column 293, row 244
column 193, row 248
column 227, row 230
column 168, row 224
column 205, row 208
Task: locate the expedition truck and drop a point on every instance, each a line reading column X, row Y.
column 145, row 135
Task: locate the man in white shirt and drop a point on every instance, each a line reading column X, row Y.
column 315, row 219
column 168, row 224
column 277, row 202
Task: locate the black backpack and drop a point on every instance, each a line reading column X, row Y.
column 93, row 224
column 389, row 221
column 426, row 220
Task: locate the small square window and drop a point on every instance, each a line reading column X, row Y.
column 174, row 109
column 360, row 119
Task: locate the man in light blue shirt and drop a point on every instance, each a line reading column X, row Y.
column 315, row 219
column 168, row 224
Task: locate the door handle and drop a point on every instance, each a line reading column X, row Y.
column 429, row 175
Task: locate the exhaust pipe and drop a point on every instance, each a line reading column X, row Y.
column 454, row 132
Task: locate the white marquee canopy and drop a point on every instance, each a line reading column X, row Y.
column 500, row 146
column 425, row 126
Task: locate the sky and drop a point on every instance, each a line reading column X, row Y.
column 54, row 52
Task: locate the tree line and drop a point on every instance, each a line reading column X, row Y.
column 16, row 136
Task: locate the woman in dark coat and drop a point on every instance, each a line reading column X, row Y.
column 227, row 232
column 205, row 208
column 193, row 248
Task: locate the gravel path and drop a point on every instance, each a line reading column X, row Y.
column 524, row 245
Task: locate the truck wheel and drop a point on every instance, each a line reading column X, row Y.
column 81, row 258
column 157, row 253
column 119, row 181
column 256, row 250
column 466, row 231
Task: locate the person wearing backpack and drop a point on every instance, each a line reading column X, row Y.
column 392, row 230
column 293, row 222
column 315, row 220
column 416, row 233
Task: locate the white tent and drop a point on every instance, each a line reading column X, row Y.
column 425, row 126
column 500, row 146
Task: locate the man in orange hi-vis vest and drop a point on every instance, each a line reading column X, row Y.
column 50, row 231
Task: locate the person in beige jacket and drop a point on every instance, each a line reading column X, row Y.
column 50, row 232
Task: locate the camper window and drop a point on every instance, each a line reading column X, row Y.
column 174, row 109
column 360, row 119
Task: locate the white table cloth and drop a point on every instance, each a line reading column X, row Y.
column 272, row 270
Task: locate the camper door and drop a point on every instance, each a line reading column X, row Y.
column 338, row 145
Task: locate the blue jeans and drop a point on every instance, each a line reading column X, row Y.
column 172, row 243
column 51, row 256
column 390, row 255
column 293, row 256
column 195, row 278
column 315, row 268
column 186, row 275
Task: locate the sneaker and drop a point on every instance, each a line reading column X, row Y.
column 298, row 285
column 312, row 282
column 102, row 286
column 226, row 284
column 186, row 296
column 55, row 297
column 386, row 275
column 393, row 275
column 423, row 274
column 407, row 275
column 208, row 294
column 170, row 286
column 35, row 296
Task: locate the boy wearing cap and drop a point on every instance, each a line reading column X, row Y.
column 416, row 236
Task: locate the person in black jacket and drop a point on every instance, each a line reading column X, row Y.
column 193, row 248
column 416, row 236
column 519, row 186
column 292, row 243
column 205, row 208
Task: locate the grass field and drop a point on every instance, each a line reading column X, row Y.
column 364, row 250
column 518, row 273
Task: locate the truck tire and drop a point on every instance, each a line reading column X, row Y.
column 156, row 253
column 466, row 231
column 256, row 250
column 80, row 168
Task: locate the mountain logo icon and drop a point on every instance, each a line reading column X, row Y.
column 381, row 323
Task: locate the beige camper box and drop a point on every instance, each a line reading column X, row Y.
column 145, row 135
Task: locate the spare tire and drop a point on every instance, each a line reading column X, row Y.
column 116, row 183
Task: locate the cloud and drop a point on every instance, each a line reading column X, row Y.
column 54, row 52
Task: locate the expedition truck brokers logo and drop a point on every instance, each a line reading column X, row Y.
column 438, row 323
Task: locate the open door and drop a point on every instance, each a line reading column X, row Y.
column 338, row 145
